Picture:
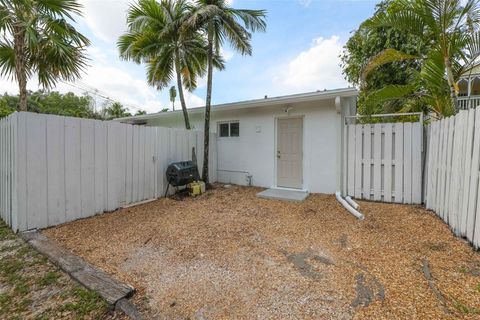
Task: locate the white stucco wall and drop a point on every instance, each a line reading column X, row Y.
column 254, row 150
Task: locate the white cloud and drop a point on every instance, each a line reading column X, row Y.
column 106, row 18
column 316, row 68
column 305, row 3
column 193, row 101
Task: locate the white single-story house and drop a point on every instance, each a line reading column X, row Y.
column 293, row 141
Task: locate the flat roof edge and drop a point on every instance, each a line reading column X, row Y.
column 255, row 103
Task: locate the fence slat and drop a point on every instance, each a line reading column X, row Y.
column 417, row 142
column 56, row 170
column 473, row 185
column 387, row 171
column 467, row 156
column 377, row 162
column 72, row 169
column 399, row 176
column 350, row 160
column 456, row 174
column 87, row 168
column 358, row 160
column 407, row 162
column 36, row 172
column 367, row 162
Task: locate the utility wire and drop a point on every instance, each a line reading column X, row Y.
column 98, row 93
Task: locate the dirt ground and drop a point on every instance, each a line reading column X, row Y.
column 228, row 254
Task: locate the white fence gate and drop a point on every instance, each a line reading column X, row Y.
column 56, row 169
column 452, row 186
column 383, row 161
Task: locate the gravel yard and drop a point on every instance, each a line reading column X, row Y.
column 228, row 254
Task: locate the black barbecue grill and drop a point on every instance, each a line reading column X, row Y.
column 181, row 173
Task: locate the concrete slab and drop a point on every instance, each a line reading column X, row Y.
column 283, row 194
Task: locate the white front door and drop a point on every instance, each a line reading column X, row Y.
column 290, row 153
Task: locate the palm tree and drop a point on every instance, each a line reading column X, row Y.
column 116, row 110
column 155, row 37
column 452, row 28
column 220, row 23
column 173, row 96
column 37, row 38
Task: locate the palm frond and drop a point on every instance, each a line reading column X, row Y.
column 7, row 60
column 384, row 57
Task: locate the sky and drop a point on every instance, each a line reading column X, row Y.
column 299, row 52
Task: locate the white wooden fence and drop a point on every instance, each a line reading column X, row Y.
column 57, row 169
column 453, row 173
column 383, row 162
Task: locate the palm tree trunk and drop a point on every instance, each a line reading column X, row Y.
column 451, row 81
column 20, row 61
column 180, row 93
column 206, row 139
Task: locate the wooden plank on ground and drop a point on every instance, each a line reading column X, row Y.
column 92, row 278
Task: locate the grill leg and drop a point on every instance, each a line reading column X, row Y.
column 166, row 191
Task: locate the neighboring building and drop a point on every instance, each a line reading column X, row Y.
column 291, row 141
column 469, row 88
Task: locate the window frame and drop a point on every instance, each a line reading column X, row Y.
column 229, row 123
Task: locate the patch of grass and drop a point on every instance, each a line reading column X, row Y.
column 10, row 248
column 478, row 287
column 23, row 305
column 23, row 251
column 49, row 278
column 5, row 303
column 86, row 303
column 5, row 232
column 22, row 286
column 464, row 309
column 10, row 266
column 463, row 270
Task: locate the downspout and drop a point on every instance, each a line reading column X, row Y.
column 347, row 206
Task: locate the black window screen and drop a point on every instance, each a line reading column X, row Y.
column 234, row 129
column 223, row 128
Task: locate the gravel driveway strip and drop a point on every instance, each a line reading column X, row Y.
column 228, row 254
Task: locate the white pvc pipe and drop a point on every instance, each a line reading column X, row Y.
column 352, row 202
column 348, row 207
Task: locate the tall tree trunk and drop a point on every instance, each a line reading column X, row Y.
column 206, row 139
column 19, row 48
column 180, row 93
column 451, row 82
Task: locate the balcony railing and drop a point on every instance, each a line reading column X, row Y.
column 465, row 103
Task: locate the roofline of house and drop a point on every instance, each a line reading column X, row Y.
column 293, row 98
